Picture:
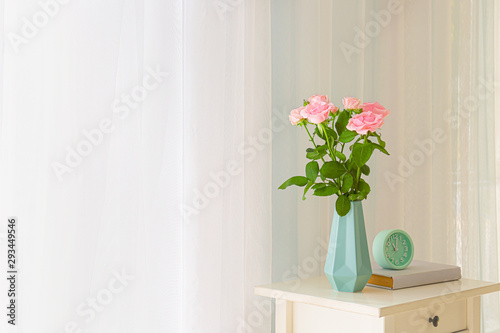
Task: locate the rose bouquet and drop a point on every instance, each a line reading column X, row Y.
column 343, row 142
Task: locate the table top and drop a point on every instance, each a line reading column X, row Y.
column 373, row 301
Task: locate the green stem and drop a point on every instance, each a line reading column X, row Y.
column 312, row 140
column 332, row 156
column 358, row 175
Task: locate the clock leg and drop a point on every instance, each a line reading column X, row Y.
column 474, row 314
column 284, row 316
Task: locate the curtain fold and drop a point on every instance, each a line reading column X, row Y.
column 227, row 151
column 474, row 131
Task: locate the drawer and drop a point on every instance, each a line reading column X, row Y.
column 309, row 318
column 452, row 318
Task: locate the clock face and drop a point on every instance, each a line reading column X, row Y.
column 398, row 249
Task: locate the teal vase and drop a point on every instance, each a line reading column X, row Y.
column 347, row 264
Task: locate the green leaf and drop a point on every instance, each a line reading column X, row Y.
column 340, row 155
column 326, row 191
column 312, row 169
column 332, row 169
column 342, row 122
column 365, row 169
column 347, row 136
column 343, row 205
column 351, row 166
column 380, row 141
column 356, row 197
column 319, row 133
column 297, row 180
column 307, row 189
column 319, row 185
column 364, row 188
column 306, row 103
column 316, row 154
column 348, row 180
column 379, row 147
column 332, row 136
column 361, row 153
column 322, row 148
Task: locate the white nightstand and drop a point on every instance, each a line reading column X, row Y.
column 312, row 306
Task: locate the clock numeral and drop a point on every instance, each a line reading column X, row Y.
column 388, row 243
column 406, row 248
column 397, row 262
column 392, row 259
column 404, row 242
column 405, row 255
column 402, row 259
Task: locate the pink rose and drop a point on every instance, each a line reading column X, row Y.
column 295, row 116
column 365, row 122
column 318, row 112
column 351, row 103
column 318, row 99
column 375, row 108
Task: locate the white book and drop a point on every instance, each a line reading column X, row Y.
column 418, row 273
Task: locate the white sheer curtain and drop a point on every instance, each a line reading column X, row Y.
column 135, row 149
column 432, row 63
column 227, row 238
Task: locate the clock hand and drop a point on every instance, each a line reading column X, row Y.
column 396, row 244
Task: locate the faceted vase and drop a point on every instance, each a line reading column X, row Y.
column 347, row 264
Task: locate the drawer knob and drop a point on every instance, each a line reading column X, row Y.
column 434, row 321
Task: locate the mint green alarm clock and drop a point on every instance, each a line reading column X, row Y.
column 393, row 249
